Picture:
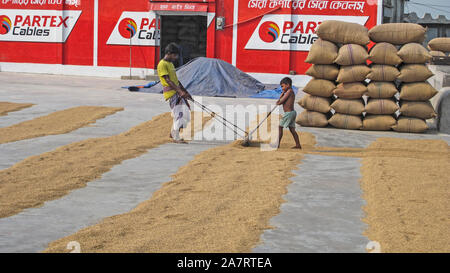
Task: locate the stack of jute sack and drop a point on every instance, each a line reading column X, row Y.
column 352, row 55
column 439, row 47
column 382, row 90
column 352, row 58
column 319, row 90
column 411, row 77
column 381, row 102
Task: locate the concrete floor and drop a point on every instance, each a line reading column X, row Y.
column 331, row 137
column 323, row 208
column 322, row 212
column 117, row 191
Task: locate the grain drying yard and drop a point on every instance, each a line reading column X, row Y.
column 83, row 160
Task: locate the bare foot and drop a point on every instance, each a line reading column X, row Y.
column 296, row 147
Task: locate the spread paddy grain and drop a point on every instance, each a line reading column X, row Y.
column 406, row 186
column 56, row 123
column 6, row 107
column 53, row 174
column 221, row 201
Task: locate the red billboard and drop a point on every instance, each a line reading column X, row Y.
column 52, row 32
column 280, row 32
column 260, row 36
column 114, row 38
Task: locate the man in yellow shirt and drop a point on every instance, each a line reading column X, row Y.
column 174, row 92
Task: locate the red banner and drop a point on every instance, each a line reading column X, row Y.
column 179, row 7
column 49, row 32
column 114, row 39
column 268, row 36
column 280, row 32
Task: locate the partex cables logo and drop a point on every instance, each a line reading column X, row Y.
column 42, row 26
column 269, row 32
column 5, row 24
column 127, row 28
column 292, row 32
column 139, row 27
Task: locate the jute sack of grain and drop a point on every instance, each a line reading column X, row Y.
column 378, row 122
column 343, row 32
column 315, row 103
column 440, row 44
column 384, row 53
column 435, row 53
column 348, row 106
column 383, row 73
column 353, row 73
column 381, row 90
column 417, row 91
column 351, row 54
column 417, row 109
column 346, row 121
column 322, row 52
column 319, row 87
column 312, row 119
column 381, row 106
column 398, row 33
column 351, row 90
column 414, row 53
column 414, row 73
column 410, row 125
column 323, row 71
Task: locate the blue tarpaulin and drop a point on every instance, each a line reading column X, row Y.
column 148, row 85
column 272, row 94
column 213, row 77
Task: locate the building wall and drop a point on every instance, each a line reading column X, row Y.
column 393, row 11
column 97, row 44
column 436, row 27
column 224, row 38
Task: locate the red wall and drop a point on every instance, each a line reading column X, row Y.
column 78, row 48
column 224, row 37
column 118, row 55
column 283, row 61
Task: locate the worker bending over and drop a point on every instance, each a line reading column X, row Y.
column 174, row 92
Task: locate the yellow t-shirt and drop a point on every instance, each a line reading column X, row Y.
column 167, row 68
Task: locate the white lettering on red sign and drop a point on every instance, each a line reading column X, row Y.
column 310, row 4
column 75, row 3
